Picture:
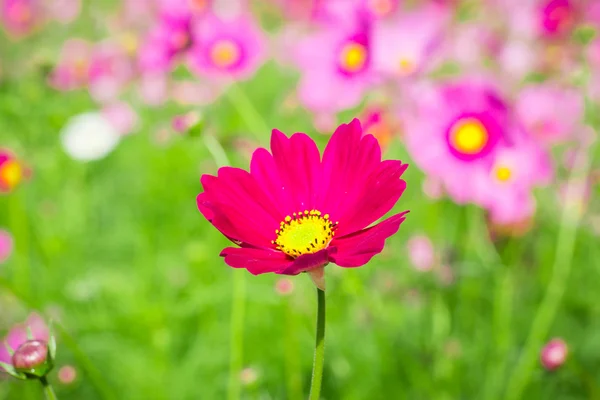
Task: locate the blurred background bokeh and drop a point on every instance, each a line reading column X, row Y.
column 110, row 111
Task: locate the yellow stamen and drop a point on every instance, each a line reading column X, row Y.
column 406, row 66
column 468, row 136
column 306, row 232
column 381, row 7
column 503, row 173
column 353, row 57
column 225, row 53
column 11, row 173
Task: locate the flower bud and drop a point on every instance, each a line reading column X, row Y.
column 554, row 354
column 32, row 358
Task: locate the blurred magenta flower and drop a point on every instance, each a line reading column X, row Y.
column 121, row 116
column 20, row 17
column 421, row 253
column 67, row 374
column 6, row 245
column 457, row 146
column 232, row 48
column 169, row 40
column 554, row 354
column 403, row 45
column 72, row 70
column 556, row 17
column 336, row 68
column 294, row 212
column 12, row 171
column 26, row 349
column 551, row 113
column 284, row 286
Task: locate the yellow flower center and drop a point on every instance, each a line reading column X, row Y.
column 304, row 233
column 503, row 173
column 406, row 66
column 225, row 53
column 11, row 173
column 468, row 136
column 353, row 57
column 129, row 42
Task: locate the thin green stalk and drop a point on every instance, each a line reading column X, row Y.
column 48, row 391
column 247, row 111
column 19, row 225
column 236, row 332
column 560, row 273
column 317, row 375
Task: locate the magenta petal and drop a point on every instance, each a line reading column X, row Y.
column 256, row 261
column 357, row 249
column 348, row 161
column 306, row 262
column 380, row 193
column 236, row 205
column 299, row 164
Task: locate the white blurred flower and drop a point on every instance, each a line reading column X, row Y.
column 89, row 136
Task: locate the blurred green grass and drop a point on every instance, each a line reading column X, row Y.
column 117, row 252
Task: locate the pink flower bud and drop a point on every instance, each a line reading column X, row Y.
column 30, row 355
column 554, row 354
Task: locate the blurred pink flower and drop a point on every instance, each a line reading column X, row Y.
column 233, row 48
column 63, row 11
column 18, row 336
column 153, row 89
column 517, row 168
column 421, row 253
column 554, row 354
column 73, row 67
column 556, row 17
column 432, row 188
column 6, row 245
column 168, row 40
column 336, row 68
column 20, row 17
column 185, row 8
column 454, row 132
column 67, row 374
column 110, row 69
column 12, row 171
column 402, row 46
column 550, row 113
column 284, row 286
column 183, row 122
column 121, row 116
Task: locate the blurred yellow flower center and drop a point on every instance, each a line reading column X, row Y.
column 225, row 53
column 129, row 42
column 11, row 173
column 503, row 174
column 304, row 233
column 381, row 7
column 353, row 57
column 406, row 66
column 80, row 68
column 468, row 136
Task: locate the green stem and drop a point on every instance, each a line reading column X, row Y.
column 317, row 375
column 293, row 369
column 236, row 334
column 48, row 391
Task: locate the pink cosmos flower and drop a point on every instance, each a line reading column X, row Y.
column 170, row 39
column 454, row 132
column 121, row 116
column 233, row 48
column 421, row 253
column 73, row 68
column 295, row 212
column 12, row 171
column 110, row 69
column 6, row 245
column 551, row 113
column 402, row 46
column 336, row 68
column 556, row 17
column 18, row 338
column 19, row 17
column 63, row 11
column 554, row 354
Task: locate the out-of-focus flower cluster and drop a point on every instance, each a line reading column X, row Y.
column 482, row 93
